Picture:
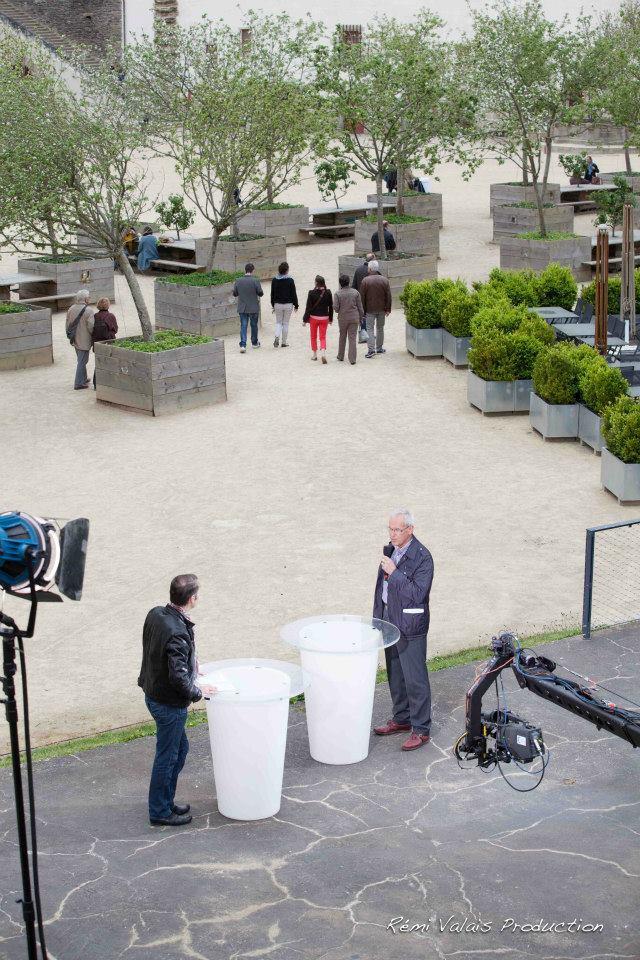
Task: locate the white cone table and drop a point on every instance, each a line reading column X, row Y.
column 248, row 731
column 339, row 653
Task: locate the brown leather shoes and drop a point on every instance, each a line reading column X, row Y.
column 391, row 727
column 415, row 740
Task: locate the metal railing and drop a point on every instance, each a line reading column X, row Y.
column 611, row 575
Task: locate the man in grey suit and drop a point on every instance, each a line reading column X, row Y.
column 402, row 598
column 248, row 289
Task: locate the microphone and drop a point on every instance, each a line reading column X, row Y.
column 388, row 550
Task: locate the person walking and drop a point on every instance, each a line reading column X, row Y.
column 248, row 291
column 375, row 293
column 348, row 307
column 319, row 314
column 401, row 597
column 105, row 327
column 79, row 327
column 358, row 276
column 168, row 678
column 389, row 239
column 147, row 249
column 284, row 300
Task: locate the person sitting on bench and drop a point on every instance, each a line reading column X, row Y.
column 389, row 239
column 591, row 171
column 147, row 249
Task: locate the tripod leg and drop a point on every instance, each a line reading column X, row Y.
column 11, row 710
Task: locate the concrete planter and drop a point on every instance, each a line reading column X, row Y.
column 516, row 253
column 424, row 343
column 417, row 204
column 398, row 272
column 265, row 253
column 512, row 221
column 621, row 479
column 505, row 193
column 421, row 237
column 498, row 396
column 203, row 311
column 590, row 428
column 555, row 421
column 283, row 223
column 25, row 339
column 455, row 349
column 632, row 179
column 65, row 279
column 161, row 383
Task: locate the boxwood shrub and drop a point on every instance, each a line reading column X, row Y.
column 519, row 286
column 601, row 385
column 423, row 301
column 621, row 429
column 615, row 283
column 556, row 287
column 496, row 355
column 458, row 307
column 503, row 316
column 558, row 370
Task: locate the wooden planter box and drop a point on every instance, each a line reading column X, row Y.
column 417, row 204
column 505, row 193
column 203, row 311
column 160, row 383
column 555, row 421
column 512, row 221
column 590, row 428
column 94, row 275
column 455, row 349
column 422, row 237
column 283, row 223
column 621, row 479
column 498, row 396
column 25, row 339
column 424, row 343
column 265, row 253
column 632, row 179
column 398, row 272
column 516, row 253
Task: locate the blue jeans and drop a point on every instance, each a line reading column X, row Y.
column 81, row 368
column 172, row 748
column 245, row 320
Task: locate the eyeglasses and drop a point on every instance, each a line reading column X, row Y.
column 397, row 529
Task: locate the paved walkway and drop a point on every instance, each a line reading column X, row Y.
column 279, row 498
column 352, row 848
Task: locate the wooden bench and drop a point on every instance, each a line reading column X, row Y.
column 176, row 264
column 347, row 229
column 613, row 261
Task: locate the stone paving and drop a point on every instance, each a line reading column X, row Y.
column 352, row 848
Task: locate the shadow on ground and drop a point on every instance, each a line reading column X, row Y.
column 352, row 848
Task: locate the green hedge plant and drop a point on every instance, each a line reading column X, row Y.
column 589, row 293
column 519, row 286
column 497, row 355
column 621, row 429
column 558, row 370
column 556, row 287
column 601, row 385
column 503, row 316
column 11, row 306
column 458, row 308
column 423, row 301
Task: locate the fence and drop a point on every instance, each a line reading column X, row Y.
column 611, row 575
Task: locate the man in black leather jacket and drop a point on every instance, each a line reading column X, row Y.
column 168, row 677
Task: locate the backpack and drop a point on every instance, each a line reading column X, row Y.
column 101, row 330
column 73, row 329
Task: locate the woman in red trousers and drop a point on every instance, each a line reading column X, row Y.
column 319, row 314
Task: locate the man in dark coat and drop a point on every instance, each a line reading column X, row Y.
column 389, row 239
column 358, row 276
column 168, row 677
column 402, row 598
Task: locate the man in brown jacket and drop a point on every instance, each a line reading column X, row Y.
column 79, row 329
column 375, row 293
column 348, row 306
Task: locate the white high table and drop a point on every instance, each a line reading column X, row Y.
column 248, row 719
column 339, row 653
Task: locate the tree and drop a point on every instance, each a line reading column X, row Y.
column 610, row 205
column 527, row 70
column 400, row 86
column 333, row 176
column 173, row 213
column 75, row 162
column 237, row 119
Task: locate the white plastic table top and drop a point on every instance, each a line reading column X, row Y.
column 240, row 680
column 340, row 633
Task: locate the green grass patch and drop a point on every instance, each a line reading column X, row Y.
column 277, row 206
column 397, row 218
column 63, row 258
column 527, row 205
column 444, row 661
column 536, row 235
column 241, row 237
column 163, row 340
column 214, row 279
column 9, row 306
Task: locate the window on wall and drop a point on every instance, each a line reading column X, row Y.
column 166, row 10
column 245, row 37
column 351, row 32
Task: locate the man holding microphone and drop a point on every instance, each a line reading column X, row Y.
column 402, row 597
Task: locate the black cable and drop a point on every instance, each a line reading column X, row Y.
column 31, row 795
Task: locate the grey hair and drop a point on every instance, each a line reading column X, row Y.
column 373, row 265
column 407, row 516
column 82, row 295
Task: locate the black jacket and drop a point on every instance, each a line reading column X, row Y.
column 319, row 304
column 283, row 290
column 408, row 590
column 389, row 241
column 359, row 275
column 168, row 672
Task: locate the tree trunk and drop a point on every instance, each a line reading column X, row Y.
column 383, row 250
column 540, row 204
column 525, row 167
column 214, row 246
column 269, row 182
column 136, row 293
column 52, row 235
column 400, row 192
column 547, row 165
column 177, row 231
column 627, row 158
